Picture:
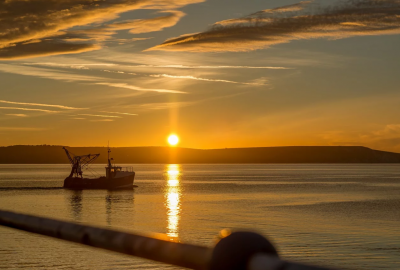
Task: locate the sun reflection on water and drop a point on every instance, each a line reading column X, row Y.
column 172, row 199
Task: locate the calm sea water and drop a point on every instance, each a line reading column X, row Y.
column 344, row 216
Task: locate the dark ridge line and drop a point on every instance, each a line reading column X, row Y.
column 176, row 155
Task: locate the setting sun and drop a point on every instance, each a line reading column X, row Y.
column 173, row 140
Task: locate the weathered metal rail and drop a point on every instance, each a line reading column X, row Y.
column 238, row 251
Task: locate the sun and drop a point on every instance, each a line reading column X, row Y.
column 173, row 139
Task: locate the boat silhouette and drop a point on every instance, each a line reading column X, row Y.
column 116, row 177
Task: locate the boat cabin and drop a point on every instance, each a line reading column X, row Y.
column 111, row 171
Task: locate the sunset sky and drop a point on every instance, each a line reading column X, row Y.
column 218, row 73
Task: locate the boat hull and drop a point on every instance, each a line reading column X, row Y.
column 124, row 182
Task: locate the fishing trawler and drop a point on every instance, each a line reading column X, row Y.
column 116, row 177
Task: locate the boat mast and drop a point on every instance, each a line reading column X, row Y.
column 108, row 157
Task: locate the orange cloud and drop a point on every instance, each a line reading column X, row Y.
column 38, row 27
column 204, row 79
column 17, row 114
column 40, row 105
column 130, row 114
column 137, row 88
column 44, row 48
column 103, row 116
column 27, row 109
column 282, row 25
column 149, row 25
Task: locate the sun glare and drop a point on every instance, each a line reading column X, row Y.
column 173, row 140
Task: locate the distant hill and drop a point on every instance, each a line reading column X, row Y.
column 43, row 154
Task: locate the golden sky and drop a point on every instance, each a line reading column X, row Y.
column 219, row 73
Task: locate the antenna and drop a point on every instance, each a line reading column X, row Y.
column 108, row 155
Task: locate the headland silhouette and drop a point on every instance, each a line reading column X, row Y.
column 45, row 154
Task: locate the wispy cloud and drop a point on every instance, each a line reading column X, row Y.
column 41, row 105
column 121, row 66
column 43, row 48
column 40, row 27
column 164, row 105
column 127, row 40
column 205, row 67
column 149, row 25
column 17, row 114
column 260, row 19
column 72, row 66
column 282, row 25
column 105, row 32
column 131, row 114
column 72, row 77
column 203, row 79
column 99, row 115
column 137, row 88
column 28, row 109
column 82, row 66
column 46, row 73
column 289, row 8
column 118, row 72
column 103, row 120
column 140, row 39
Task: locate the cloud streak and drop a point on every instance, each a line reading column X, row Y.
column 48, row 74
column 28, row 109
column 164, row 105
column 71, row 77
column 202, row 79
column 103, row 120
column 72, row 66
column 17, row 114
column 44, row 48
column 131, row 114
column 149, row 25
column 32, row 28
column 41, row 105
column 88, row 66
column 98, row 115
column 296, row 22
column 206, row 67
column 137, row 88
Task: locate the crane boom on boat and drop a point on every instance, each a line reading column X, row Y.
column 79, row 162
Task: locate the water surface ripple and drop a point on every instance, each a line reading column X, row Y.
column 343, row 216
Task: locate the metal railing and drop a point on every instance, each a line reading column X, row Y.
column 127, row 169
column 237, row 251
